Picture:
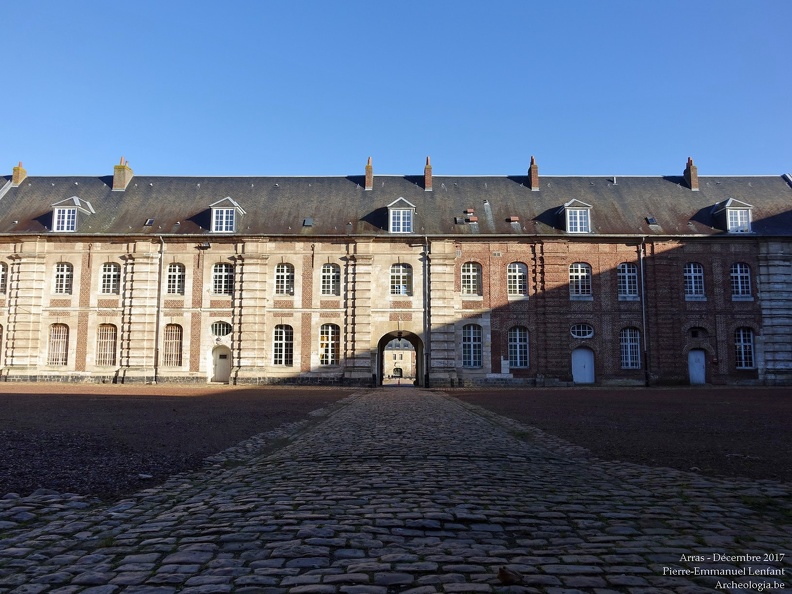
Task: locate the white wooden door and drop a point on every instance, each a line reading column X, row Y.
column 696, row 366
column 222, row 364
column 583, row 366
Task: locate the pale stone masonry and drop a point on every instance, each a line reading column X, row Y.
column 517, row 279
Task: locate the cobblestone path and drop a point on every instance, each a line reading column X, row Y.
column 403, row 490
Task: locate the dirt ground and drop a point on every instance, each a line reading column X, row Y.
column 98, row 439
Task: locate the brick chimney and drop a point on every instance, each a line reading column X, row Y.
column 19, row 175
column 428, row 176
column 369, row 175
column 533, row 175
column 122, row 175
column 691, row 175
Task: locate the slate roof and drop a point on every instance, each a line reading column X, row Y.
column 340, row 206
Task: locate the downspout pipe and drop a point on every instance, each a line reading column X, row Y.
column 641, row 254
column 158, row 320
column 427, row 320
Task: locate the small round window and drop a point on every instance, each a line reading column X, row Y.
column 221, row 328
column 582, row 331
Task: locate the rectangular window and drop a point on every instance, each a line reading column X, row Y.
column 223, row 220
column 111, row 279
column 329, row 343
column 630, row 344
column 331, row 279
column 63, row 278
column 518, row 347
column 284, row 279
column 401, row 279
column 741, row 282
column 694, row 282
column 172, row 346
column 627, row 277
column 65, row 219
column 580, row 281
column 471, row 278
column 739, row 220
column 743, row 343
column 106, row 345
column 471, row 345
column 223, row 279
column 175, row 279
column 578, row 220
column 283, row 346
column 401, row 220
column 58, row 353
column 517, row 279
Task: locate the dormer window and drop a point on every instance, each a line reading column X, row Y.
column 577, row 217
column 733, row 216
column 225, row 215
column 64, row 214
column 401, row 216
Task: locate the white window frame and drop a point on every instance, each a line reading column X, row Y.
column 175, row 279
column 578, row 220
column 740, row 280
column 223, row 279
column 744, row 348
column 627, row 281
column 518, row 347
column 329, row 344
column 284, row 279
column 738, row 220
column 582, row 331
column 224, row 220
column 3, row 277
column 64, row 219
column 64, row 278
column 694, row 282
column 580, row 281
column 471, row 279
column 283, row 345
column 331, row 279
column 630, row 348
column 471, row 346
column 401, row 220
column 517, row 279
column 111, row 279
column 401, row 279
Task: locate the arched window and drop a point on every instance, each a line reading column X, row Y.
column 401, row 279
column 223, row 279
column 176, row 277
column 58, row 352
column 284, row 279
column 331, row 279
column 630, row 345
column 106, row 339
column 744, row 348
column 172, row 346
column 579, row 280
column 64, row 277
column 694, row 281
column 627, row 278
column 3, row 277
column 111, row 279
column 518, row 346
column 740, row 281
column 517, row 279
column 283, row 345
column 471, row 278
column 329, row 344
column 471, row 345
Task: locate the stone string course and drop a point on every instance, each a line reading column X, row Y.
column 397, row 491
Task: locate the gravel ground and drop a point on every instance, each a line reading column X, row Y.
column 98, row 440
column 717, row 431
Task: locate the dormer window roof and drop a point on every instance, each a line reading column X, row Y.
column 577, row 216
column 733, row 216
column 225, row 215
column 64, row 213
column 401, row 216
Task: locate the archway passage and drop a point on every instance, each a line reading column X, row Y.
column 413, row 370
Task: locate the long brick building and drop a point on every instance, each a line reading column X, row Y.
column 507, row 279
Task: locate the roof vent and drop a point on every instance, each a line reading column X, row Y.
column 651, row 220
column 149, row 222
column 308, row 222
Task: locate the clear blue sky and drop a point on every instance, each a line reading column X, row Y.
column 255, row 87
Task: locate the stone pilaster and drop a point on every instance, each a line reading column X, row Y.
column 139, row 313
column 251, row 347
column 442, row 347
column 357, row 329
column 774, row 345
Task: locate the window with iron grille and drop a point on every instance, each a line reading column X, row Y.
column 58, row 352
column 176, row 277
column 518, row 346
column 111, row 279
column 579, row 280
column 401, row 279
column 284, row 279
column 3, row 277
column 221, row 328
column 223, row 279
column 172, row 346
column 627, row 279
column 223, row 220
column 329, row 344
column 331, row 279
column 64, row 276
column 630, row 344
column 517, row 279
column 106, row 338
column 740, row 281
column 65, row 219
column 694, row 281
column 744, row 347
column 283, row 345
column 471, row 278
column 471, row 345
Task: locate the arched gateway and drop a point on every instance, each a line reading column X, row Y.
column 415, row 341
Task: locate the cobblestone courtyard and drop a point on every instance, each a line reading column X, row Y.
column 403, row 490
